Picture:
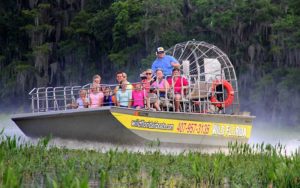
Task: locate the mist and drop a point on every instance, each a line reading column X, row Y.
column 274, row 98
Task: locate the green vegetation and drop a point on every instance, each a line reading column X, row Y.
column 39, row 165
column 54, row 43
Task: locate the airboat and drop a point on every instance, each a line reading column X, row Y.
column 209, row 113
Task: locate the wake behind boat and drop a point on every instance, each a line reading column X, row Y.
column 209, row 108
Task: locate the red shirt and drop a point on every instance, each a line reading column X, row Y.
column 146, row 85
column 181, row 81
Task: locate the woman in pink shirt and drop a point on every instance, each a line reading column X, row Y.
column 161, row 86
column 96, row 96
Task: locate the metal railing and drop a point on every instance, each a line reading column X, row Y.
column 195, row 96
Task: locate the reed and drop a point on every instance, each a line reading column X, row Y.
column 39, row 165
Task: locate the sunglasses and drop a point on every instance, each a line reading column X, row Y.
column 148, row 73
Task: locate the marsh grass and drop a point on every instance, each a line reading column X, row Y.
column 39, row 165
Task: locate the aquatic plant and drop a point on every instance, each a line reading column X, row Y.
column 36, row 165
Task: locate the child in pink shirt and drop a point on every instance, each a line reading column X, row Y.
column 96, row 96
column 138, row 96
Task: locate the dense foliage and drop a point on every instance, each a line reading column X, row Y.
column 244, row 166
column 51, row 43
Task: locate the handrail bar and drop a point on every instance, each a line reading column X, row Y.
column 32, row 91
column 63, row 97
column 46, row 95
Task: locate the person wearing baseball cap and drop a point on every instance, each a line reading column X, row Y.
column 164, row 62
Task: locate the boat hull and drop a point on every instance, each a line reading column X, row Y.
column 192, row 128
column 134, row 127
column 82, row 124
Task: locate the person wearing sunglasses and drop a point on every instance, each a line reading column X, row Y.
column 147, row 79
column 164, row 62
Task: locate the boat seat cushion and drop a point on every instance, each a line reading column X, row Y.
column 200, row 90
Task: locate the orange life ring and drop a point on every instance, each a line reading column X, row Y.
column 229, row 91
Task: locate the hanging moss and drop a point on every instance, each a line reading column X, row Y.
column 87, row 37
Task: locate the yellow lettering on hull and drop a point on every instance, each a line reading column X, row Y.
column 175, row 126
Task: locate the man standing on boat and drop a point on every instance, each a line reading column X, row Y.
column 164, row 62
column 119, row 78
column 122, row 77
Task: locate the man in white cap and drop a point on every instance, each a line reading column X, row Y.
column 164, row 62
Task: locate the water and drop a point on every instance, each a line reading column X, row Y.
column 288, row 137
column 260, row 133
